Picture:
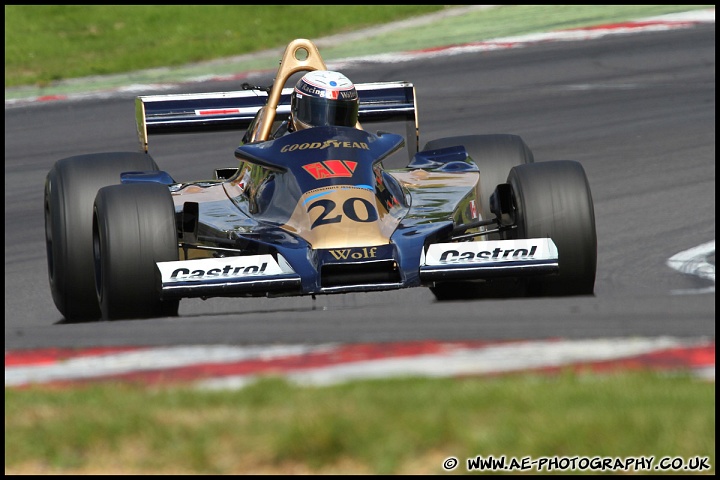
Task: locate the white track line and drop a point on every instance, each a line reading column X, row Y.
column 694, row 262
column 515, row 357
column 332, row 363
column 103, row 365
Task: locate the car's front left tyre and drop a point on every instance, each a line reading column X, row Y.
column 553, row 200
column 133, row 228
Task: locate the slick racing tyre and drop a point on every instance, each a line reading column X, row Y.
column 70, row 189
column 494, row 155
column 133, row 227
column 552, row 199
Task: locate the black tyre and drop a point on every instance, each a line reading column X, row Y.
column 553, row 200
column 494, row 155
column 133, row 227
column 70, row 189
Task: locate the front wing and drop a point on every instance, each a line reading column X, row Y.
column 357, row 269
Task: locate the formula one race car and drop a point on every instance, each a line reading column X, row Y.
column 314, row 211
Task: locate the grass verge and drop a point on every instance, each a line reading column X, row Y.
column 50, row 43
column 377, row 427
column 45, row 43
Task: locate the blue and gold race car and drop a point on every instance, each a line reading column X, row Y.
column 314, row 211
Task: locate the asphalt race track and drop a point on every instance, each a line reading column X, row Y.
column 638, row 111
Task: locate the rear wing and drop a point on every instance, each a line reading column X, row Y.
column 198, row 112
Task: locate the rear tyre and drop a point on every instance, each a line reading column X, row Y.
column 70, row 189
column 494, row 155
column 553, row 200
column 133, row 228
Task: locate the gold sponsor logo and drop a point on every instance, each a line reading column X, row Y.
column 354, row 253
column 324, row 145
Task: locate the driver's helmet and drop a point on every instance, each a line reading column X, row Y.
column 322, row 98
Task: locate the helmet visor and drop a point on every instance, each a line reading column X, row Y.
column 317, row 112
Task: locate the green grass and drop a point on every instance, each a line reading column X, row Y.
column 45, row 43
column 50, row 43
column 377, row 427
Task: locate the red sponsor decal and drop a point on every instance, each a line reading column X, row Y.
column 473, row 209
column 222, row 111
column 330, row 169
